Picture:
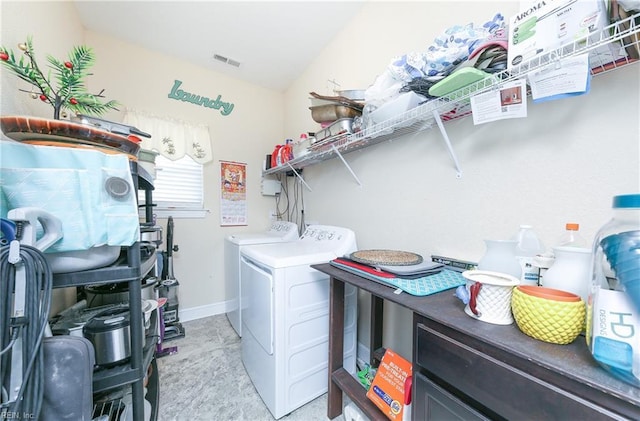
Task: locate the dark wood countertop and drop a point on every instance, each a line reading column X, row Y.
column 572, row 362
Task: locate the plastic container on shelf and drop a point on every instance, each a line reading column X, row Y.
column 570, row 271
column 275, row 156
column 301, row 147
column 500, row 256
column 569, row 267
column 613, row 312
column 285, row 153
column 529, row 245
column 572, row 237
column 395, row 107
column 569, row 239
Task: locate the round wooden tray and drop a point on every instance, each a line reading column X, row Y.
column 42, row 131
column 386, row 257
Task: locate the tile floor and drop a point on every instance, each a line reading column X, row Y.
column 206, row 381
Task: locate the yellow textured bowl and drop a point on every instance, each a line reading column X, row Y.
column 557, row 322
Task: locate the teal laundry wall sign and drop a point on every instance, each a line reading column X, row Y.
column 217, row 104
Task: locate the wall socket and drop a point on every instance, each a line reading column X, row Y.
column 273, row 215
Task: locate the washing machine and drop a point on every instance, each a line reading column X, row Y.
column 279, row 232
column 285, row 317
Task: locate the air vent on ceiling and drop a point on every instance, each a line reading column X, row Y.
column 224, row 59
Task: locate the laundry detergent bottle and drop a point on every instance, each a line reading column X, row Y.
column 613, row 309
column 572, row 237
column 275, row 156
column 529, row 246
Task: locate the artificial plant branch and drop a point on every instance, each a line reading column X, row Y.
column 69, row 76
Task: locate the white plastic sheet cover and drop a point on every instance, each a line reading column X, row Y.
column 73, row 185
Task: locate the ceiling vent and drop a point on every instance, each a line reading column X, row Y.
column 226, row 60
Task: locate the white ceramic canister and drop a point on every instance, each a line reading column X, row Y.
column 571, row 271
column 490, row 296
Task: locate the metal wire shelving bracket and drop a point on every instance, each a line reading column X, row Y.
column 298, row 175
column 443, row 131
column 346, row 164
column 625, row 33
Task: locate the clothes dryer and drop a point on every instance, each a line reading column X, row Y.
column 279, row 232
column 285, row 317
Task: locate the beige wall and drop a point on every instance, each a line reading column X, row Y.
column 55, row 29
column 562, row 163
column 140, row 79
column 40, row 20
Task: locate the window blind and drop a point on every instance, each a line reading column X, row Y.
column 178, row 184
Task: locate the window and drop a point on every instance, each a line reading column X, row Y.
column 178, row 188
column 178, row 183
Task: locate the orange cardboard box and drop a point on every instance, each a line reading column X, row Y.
column 387, row 390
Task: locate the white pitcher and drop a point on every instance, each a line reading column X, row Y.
column 500, row 256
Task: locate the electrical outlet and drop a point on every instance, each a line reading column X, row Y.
column 273, row 215
column 270, row 187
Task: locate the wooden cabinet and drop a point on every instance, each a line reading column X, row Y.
column 471, row 370
column 501, row 386
column 434, row 403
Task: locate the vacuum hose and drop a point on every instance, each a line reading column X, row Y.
column 30, row 329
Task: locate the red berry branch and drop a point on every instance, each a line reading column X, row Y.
column 71, row 93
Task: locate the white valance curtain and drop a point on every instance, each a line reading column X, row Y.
column 172, row 138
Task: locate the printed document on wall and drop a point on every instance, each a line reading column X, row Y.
column 233, row 193
column 508, row 100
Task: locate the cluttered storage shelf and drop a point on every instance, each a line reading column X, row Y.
column 95, row 351
column 456, row 104
column 133, row 265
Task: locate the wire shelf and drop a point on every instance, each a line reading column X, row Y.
column 625, row 32
column 108, row 410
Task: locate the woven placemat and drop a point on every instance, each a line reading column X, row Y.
column 426, row 285
column 386, row 257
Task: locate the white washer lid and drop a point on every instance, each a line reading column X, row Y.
column 319, row 244
column 258, row 238
column 294, row 253
column 279, row 232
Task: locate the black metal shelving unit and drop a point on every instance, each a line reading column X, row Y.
column 130, row 271
column 130, row 268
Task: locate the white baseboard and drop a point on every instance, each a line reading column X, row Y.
column 200, row 312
